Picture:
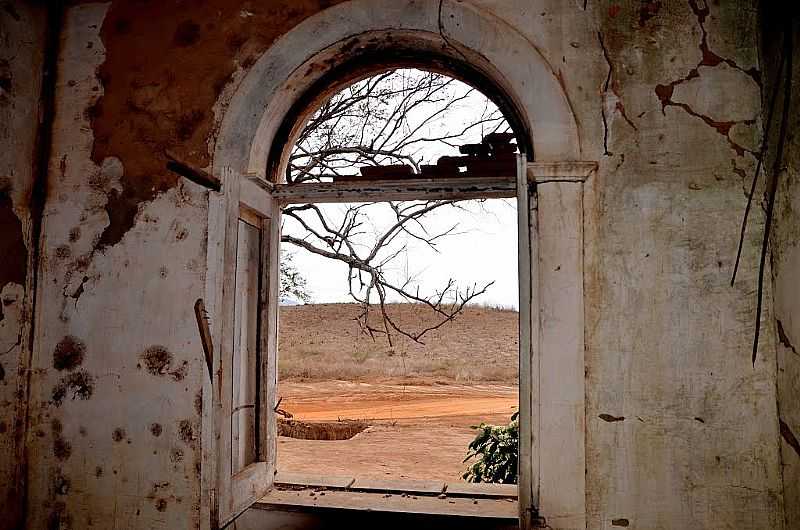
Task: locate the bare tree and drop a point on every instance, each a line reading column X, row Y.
column 398, row 117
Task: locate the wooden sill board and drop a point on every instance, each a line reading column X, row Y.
column 311, row 500
column 425, row 487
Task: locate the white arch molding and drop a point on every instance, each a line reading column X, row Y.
column 300, row 58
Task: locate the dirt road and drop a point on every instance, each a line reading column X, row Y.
column 418, row 431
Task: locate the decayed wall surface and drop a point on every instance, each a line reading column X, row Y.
column 785, row 250
column 682, row 429
column 114, row 437
column 21, row 56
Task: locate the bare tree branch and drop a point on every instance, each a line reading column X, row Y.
column 397, row 117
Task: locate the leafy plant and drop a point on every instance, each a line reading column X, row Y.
column 496, row 448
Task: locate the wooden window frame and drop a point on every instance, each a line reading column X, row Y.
column 552, row 418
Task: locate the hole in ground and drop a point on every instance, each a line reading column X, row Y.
column 324, row 430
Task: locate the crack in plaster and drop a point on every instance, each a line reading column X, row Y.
column 784, row 338
column 709, row 59
column 789, row 437
column 79, row 291
column 606, row 152
column 611, row 85
column 15, row 345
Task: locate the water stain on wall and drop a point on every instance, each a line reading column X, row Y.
column 163, row 73
column 68, row 353
column 77, row 385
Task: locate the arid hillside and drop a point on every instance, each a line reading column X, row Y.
column 321, row 342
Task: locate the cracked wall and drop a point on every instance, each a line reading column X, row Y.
column 95, row 457
column 681, row 429
column 21, row 58
column 667, row 96
column 668, row 340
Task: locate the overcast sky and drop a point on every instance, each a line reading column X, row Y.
column 483, row 248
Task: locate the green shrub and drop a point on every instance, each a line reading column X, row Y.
column 496, row 448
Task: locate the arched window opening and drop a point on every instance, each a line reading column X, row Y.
column 392, row 296
column 264, row 179
column 416, row 122
column 399, row 300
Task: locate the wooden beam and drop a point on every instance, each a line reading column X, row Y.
column 396, row 190
column 528, row 255
column 198, row 176
column 440, row 188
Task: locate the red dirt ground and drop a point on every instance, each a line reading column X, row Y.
column 417, row 431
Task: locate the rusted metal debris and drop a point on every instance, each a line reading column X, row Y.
column 495, row 156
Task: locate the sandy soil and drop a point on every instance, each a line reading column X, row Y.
column 418, row 431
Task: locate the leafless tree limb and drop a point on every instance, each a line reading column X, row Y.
column 391, row 118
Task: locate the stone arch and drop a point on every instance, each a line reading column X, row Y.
column 354, row 39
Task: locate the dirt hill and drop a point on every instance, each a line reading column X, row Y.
column 320, row 342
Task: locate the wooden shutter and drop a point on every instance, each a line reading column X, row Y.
column 245, row 374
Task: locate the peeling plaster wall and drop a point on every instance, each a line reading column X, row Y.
column 668, row 340
column 785, row 256
column 118, row 369
column 113, row 439
column 666, row 96
column 21, row 59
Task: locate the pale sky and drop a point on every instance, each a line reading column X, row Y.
column 483, row 250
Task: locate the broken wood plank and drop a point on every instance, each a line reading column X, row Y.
column 201, row 315
column 426, row 487
column 466, row 489
column 313, row 480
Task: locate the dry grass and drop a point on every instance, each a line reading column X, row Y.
column 323, row 342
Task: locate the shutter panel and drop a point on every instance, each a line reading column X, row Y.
column 245, row 371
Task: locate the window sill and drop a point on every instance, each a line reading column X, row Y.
column 295, row 492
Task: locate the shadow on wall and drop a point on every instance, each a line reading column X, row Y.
column 258, row 519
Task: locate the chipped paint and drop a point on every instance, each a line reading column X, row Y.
column 14, row 267
column 709, row 60
column 665, row 338
column 163, row 112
